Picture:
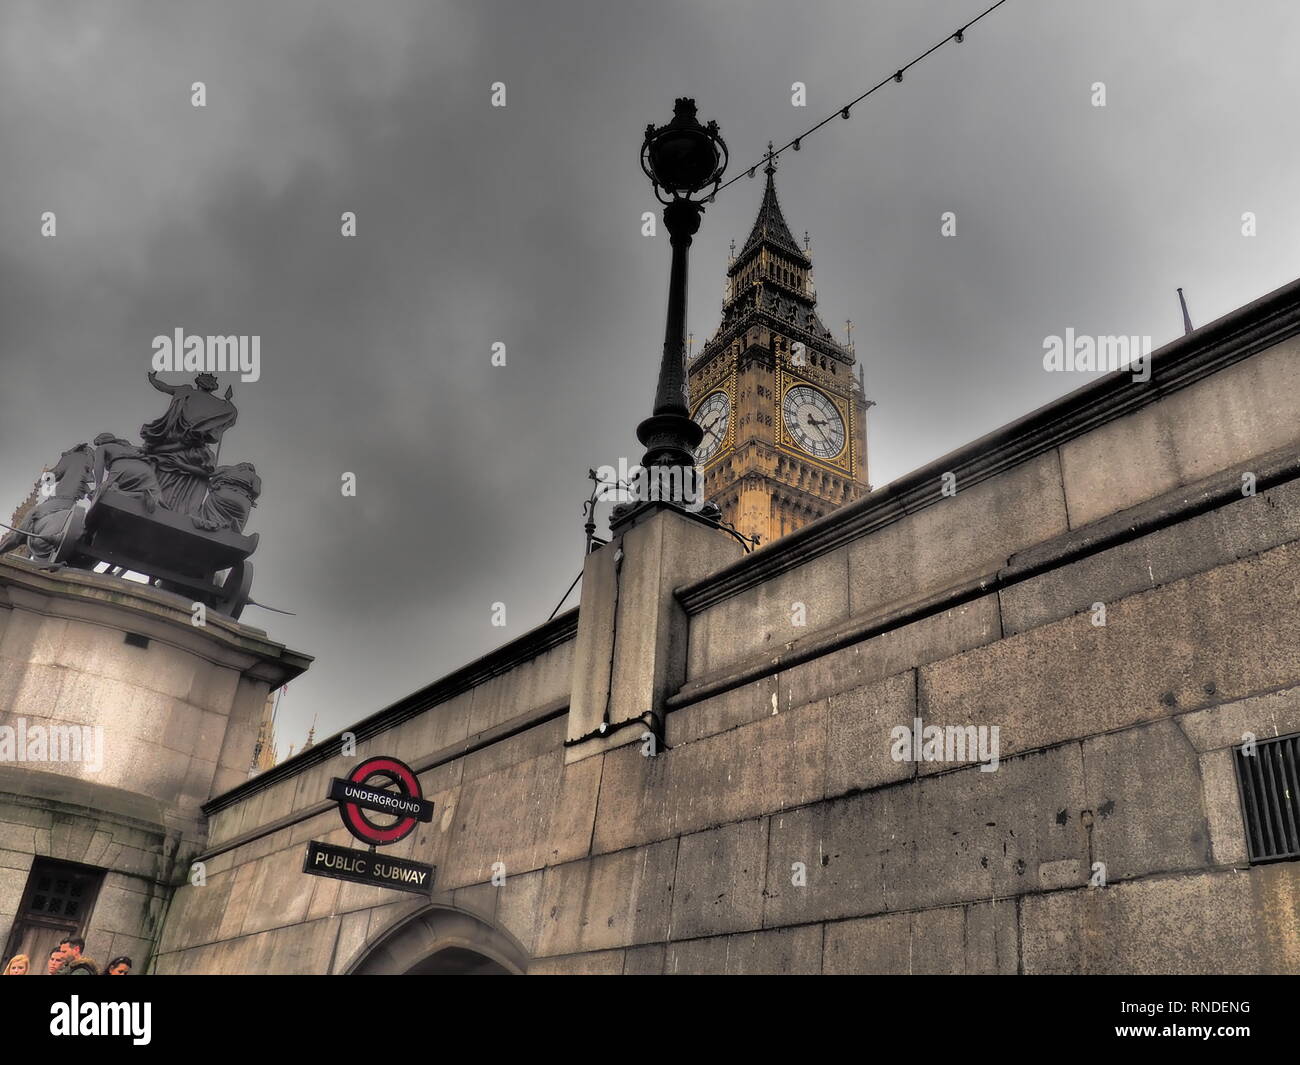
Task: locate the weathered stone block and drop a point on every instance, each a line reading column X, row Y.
column 721, row 875
column 1064, row 873
column 519, row 908
column 123, row 905
column 940, row 636
column 528, row 686
column 281, row 891
column 1143, row 791
column 971, row 939
column 352, row 938
column 740, row 706
column 526, row 815
column 1213, row 922
column 1246, row 527
column 1256, row 409
column 613, row 900
column 770, row 615
column 782, row 951
column 644, row 961
column 960, row 836
column 596, row 963
column 966, row 535
column 832, row 859
column 983, row 835
column 297, row 949
column 770, row 765
column 992, row 938
column 898, row 944
column 532, row 743
column 1220, row 635
column 1223, row 808
column 1226, row 725
column 859, row 723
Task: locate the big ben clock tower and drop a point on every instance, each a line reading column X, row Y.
column 784, row 416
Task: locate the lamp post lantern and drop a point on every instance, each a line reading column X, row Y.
column 681, row 159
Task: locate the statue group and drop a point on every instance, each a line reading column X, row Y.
column 173, row 470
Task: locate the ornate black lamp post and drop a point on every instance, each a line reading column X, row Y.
column 680, row 159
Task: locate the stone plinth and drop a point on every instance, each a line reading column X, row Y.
column 119, row 718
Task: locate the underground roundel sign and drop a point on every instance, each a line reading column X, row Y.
column 374, row 812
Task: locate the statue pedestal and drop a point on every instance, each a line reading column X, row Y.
column 119, row 718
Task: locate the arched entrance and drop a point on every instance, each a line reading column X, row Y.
column 441, row 941
column 458, row 961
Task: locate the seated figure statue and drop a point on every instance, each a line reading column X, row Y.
column 232, row 494
column 120, row 466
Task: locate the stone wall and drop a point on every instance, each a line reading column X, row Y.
column 772, row 830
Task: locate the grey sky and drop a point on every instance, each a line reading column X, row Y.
column 522, row 225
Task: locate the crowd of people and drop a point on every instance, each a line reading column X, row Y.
column 67, row 959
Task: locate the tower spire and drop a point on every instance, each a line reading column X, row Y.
column 770, row 225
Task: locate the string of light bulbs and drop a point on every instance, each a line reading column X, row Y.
column 958, row 35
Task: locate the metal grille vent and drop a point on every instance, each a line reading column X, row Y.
column 1269, row 782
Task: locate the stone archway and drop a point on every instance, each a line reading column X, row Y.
column 441, row 940
column 458, row 961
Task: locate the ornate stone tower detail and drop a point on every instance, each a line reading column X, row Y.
column 783, row 413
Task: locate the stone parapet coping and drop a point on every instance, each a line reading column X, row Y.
column 536, row 642
column 1178, row 505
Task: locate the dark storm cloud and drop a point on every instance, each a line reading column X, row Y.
column 522, row 225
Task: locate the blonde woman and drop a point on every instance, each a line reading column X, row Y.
column 19, row 965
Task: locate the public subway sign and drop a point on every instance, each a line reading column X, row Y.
column 365, row 867
column 376, row 816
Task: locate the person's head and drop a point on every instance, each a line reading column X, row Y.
column 105, row 438
column 56, row 961
column 207, row 382
column 120, row 966
column 19, row 965
column 72, row 947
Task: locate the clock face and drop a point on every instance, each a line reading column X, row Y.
column 814, row 421
column 712, row 416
